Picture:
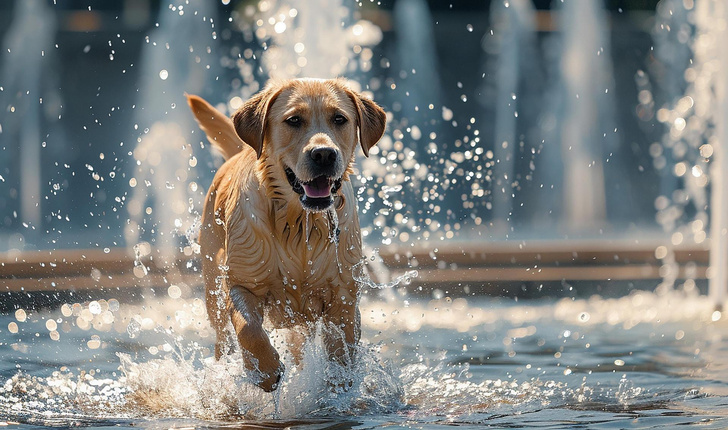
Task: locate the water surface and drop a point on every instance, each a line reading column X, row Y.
column 647, row 360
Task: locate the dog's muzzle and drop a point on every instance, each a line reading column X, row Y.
column 317, row 194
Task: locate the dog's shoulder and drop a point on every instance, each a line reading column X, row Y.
column 236, row 187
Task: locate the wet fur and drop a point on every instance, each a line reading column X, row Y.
column 263, row 254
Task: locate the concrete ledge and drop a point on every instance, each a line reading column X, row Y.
column 444, row 263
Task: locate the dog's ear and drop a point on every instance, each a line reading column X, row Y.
column 371, row 121
column 250, row 119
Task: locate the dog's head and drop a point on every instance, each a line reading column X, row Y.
column 308, row 130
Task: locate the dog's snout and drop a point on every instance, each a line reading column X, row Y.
column 323, row 156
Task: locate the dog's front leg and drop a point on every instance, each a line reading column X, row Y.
column 246, row 314
column 347, row 319
column 341, row 341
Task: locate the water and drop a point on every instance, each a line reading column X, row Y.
column 23, row 89
column 514, row 24
column 641, row 361
column 167, row 186
column 586, row 74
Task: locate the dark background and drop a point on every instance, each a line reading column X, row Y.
column 98, row 98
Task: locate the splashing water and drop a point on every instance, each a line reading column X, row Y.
column 140, row 250
column 334, row 233
column 186, row 384
column 364, row 280
column 448, row 360
column 307, row 231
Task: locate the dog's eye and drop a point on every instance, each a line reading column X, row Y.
column 294, row 121
column 340, row 119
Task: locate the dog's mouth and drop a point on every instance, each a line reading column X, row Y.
column 316, row 194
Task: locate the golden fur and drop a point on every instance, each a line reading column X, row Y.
column 263, row 253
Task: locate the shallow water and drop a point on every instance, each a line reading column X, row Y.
column 641, row 361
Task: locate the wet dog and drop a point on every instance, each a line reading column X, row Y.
column 280, row 232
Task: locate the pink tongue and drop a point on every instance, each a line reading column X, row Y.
column 319, row 187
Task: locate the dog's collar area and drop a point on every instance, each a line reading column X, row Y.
column 312, row 203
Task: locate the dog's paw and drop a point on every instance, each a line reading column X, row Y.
column 270, row 380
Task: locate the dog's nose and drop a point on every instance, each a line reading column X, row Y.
column 323, row 156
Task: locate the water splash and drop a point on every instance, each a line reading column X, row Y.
column 171, row 374
column 514, row 39
column 141, row 250
column 307, row 230
column 25, row 81
column 586, row 73
column 179, row 55
column 62, row 399
column 299, row 39
column 363, row 279
column 334, row 233
column 190, row 385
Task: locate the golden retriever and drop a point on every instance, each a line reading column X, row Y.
column 270, row 243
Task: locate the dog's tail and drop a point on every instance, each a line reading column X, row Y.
column 217, row 126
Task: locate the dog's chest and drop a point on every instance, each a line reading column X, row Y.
column 313, row 255
column 309, row 259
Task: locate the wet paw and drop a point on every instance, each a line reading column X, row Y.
column 270, row 381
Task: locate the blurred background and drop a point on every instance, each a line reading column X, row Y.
column 527, row 119
column 508, row 119
column 539, row 149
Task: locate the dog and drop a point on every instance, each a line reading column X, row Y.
column 280, row 235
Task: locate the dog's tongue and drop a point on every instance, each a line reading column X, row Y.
column 319, row 187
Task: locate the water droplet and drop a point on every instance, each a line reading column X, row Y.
column 163, row 74
column 174, row 292
column 94, row 343
column 133, row 328
column 66, row 310
column 94, row 307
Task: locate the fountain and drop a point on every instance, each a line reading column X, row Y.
column 586, row 78
column 672, row 34
column 514, row 26
column 695, row 139
column 179, row 56
column 711, row 55
column 416, row 59
column 22, row 90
